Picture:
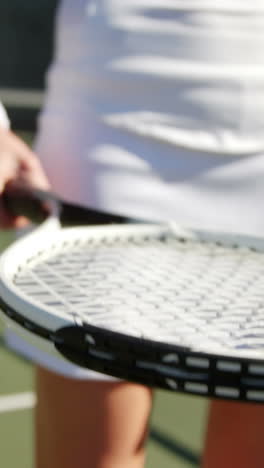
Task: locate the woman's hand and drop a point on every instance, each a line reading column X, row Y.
column 19, row 166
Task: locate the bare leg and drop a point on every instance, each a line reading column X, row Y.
column 88, row 424
column 235, row 436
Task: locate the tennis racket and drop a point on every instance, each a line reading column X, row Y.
column 156, row 304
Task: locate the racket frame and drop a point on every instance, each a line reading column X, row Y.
column 155, row 364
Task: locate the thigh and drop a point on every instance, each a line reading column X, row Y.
column 90, row 423
column 234, row 436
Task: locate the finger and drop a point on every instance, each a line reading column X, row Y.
column 34, row 177
column 8, row 221
column 8, row 169
column 15, row 144
column 20, row 222
column 17, row 156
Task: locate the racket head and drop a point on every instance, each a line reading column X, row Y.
column 55, row 321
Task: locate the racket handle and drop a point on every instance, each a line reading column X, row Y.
column 28, row 203
column 37, row 205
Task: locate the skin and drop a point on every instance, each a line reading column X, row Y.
column 234, row 436
column 77, row 423
column 18, row 166
column 90, row 424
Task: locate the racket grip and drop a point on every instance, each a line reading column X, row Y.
column 23, row 202
column 37, row 205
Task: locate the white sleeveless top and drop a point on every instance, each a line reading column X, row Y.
column 155, row 108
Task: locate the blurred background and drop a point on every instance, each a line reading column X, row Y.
column 178, row 423
column 26, row 45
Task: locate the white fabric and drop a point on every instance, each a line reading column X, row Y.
column 4, row 120
column 155, row 108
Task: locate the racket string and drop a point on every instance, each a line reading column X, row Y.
column 203, row 294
